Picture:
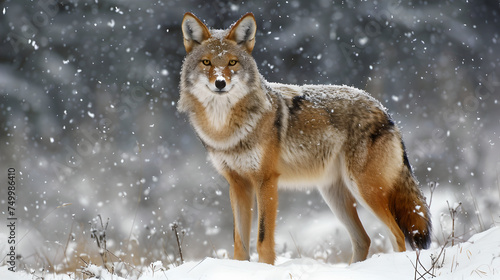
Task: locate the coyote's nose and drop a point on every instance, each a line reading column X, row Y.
column 220, row 83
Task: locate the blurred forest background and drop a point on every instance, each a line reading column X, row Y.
column 88, row 94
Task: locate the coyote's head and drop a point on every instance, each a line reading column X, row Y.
column 219, row 60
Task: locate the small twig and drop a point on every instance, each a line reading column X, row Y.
column 435, row 261
column 419, row 263
column 453, row 213
column 432, row 186
column 100, row 238
column 213, row 248
column 295, row 244
column 415, row 266
column 174, row 228
column 67, row 242
column 427, row 271
column 86, row 263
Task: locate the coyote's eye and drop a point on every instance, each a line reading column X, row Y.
column 206, row 62
column 232, row 62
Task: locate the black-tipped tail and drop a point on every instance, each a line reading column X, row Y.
column 411, row 211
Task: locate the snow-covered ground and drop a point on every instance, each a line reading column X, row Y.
column 477, row 258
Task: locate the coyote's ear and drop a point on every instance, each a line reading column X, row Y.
column 194, row 31
column 243, row 32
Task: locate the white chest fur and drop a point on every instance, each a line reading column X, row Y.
column 247, row 161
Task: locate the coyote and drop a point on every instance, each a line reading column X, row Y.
column 260, row 135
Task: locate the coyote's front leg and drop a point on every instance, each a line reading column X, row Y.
column 242, row 197
column 267, row 199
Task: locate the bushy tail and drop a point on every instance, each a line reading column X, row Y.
column 410, row 210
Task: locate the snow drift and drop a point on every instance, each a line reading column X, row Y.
column 477, row 258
